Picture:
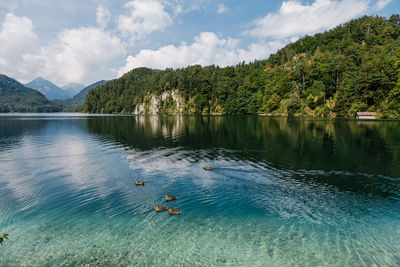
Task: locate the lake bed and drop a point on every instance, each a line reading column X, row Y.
column 282, row 192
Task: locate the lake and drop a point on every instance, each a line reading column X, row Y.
column 282, row 192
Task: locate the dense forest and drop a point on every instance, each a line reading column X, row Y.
column 14, row 97
column 354, row 67
column 75, row 103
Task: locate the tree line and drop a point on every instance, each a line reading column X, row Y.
column 354, row 67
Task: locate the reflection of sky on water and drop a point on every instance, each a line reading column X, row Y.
column 49, row 159
column 52, row 157
column 83, row 162
column 82, row 171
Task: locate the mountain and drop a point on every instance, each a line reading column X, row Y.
column 75, row 103
column 50, row 90
column 14, row 97
column 352, row 68
column 73, row 88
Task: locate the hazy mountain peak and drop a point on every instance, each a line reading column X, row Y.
column 74, row 88
column 79, row 98
column 17, row 98
column 49, row 89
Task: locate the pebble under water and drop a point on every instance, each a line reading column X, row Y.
column 282, row 192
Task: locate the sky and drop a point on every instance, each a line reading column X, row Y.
column 75, row 41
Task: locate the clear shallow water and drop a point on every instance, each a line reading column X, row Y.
column 283, row 192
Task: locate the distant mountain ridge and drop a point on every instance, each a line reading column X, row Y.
column 75, row 103
column 14, row 97
column 73, row 88
column 50, row 90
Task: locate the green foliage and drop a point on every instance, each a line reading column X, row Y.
column 14, row 97
column 75, row 103
column 354, row 67
column 272, row 103
column 5, row 236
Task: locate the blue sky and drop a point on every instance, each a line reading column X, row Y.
column 86, row 41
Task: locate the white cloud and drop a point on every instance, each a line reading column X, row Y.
column 88, row 53
column 222, row 9
column 17, row 36
column 294, row 18
column 206, row 49
column 382, row 4
column 103, row 16
column 76, row 55
column 145, row 17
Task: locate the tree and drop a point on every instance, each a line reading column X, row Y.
column 352, row 68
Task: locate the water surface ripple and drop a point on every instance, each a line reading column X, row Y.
column 282, row 192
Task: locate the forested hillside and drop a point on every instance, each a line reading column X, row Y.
column 75, row 103
column 14, row 97
column 354, row 67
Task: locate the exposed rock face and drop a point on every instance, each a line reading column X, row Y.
column 139, row 109
column 170, row 102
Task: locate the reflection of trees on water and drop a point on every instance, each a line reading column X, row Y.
column 334, row 152
column 370, row 147
column 285, row 142
column 12, row 130
column 340, row 153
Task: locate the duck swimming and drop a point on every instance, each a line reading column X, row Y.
column 160, row 208
column 174, row 212
column 139, row 182
column 168, row 198
column 207, row 168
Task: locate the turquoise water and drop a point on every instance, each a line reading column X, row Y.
column 283, row 192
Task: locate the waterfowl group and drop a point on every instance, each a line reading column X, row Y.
column 163, row 208
column 167, row 198
column 170, row 198
column 170, row 210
